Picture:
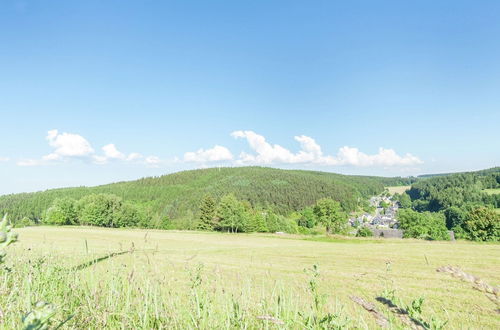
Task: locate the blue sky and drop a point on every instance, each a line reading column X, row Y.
column 316, row 85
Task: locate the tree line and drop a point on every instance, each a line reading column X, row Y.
column 454, row 202
column 177, row 196
column 233, row 215
column 228, row 214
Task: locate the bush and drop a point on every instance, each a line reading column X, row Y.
column 364, row 232
column 128, row 215
column 24, row 222
column 482, row 224
column 54, row 216
column 424, row 225
column 307, row 218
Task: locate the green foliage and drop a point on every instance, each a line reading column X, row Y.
column 68, row 209
column 384, row 204
column 62, row 212
column 162, row 222
column 455, row 217
column 103, row 210
column 278, row 223
column 24, row 222
column 128, row 215
column 329, row 213
column 207, row 213
column 364, row 232
column 441, row 192
column 39, row 317
column 259, row 222
column 463, row 200
column 231, row 214
column 482, row 224
column 7, row 237
column 307, row 218
column 54, row 216
column 100, row 210
column 424, row 225
column 403, row 200
column 175, row 195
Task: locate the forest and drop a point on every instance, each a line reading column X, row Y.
column 466, row 203
column 177, row 196
column 255, row 199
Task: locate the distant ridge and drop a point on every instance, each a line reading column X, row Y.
column 486, row 171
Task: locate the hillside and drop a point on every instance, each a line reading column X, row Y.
column 179, row 194
column 438, row 193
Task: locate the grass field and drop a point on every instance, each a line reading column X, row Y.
column 397, row 189
column 492, row 191
column 207, row 280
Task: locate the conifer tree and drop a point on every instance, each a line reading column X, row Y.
column 207, row 213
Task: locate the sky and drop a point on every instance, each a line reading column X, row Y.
column 93, row 92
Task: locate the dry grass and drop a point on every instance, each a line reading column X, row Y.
column 493, row 293
column 397, row 189
column 492, row 191
column 253, row 269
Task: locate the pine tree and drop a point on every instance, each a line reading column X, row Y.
column 259, row 222
column 207, row 213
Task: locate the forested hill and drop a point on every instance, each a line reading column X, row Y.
column 456, row 190
column 179, row 194
column 480, row 173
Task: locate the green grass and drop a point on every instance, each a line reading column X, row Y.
column 397, row 189
column 492, row 191
column 243, row 276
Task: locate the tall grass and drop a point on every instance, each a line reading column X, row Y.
column 84, row 297
column 46, row 288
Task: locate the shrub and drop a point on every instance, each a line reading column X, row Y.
column 482, row 224
column 329, row 213
column 307, row 218
column 424, row 225
column 364, row 232
column 24, row 222
column 54, row 216
column 100, row 210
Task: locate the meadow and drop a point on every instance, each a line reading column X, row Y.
column 494, row 191
column 129, row 278
column 397, row 189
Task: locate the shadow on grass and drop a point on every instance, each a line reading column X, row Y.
column 401, row 314
column 97, row 260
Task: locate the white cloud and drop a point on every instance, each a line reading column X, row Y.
column 100, row 160
column 266, row 152
column 134, row 156
column 68, row 145
column 52, row 156
column 152, row 161
column 29, row 162
column 217, row 153
column 4, row 159
column 384, row 157
column 111, row 152
column 311, row 153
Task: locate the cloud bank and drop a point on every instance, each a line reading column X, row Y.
column 70, row 146
column 216, row 154
column 310, row 153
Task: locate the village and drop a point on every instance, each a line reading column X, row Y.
column 384, row 217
